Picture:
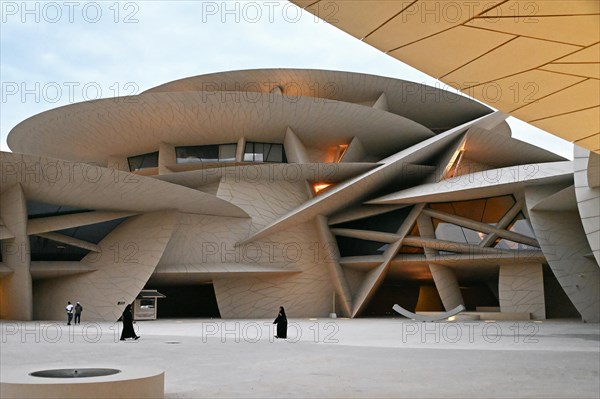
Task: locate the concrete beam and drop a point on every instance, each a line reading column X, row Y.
column 482, row 227
column 335, row 270
column 295, row 151
column 512, row 213
column 54, row 223
column 444, row 278
column 65, row 239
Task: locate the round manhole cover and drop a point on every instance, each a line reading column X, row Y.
column 74, row 373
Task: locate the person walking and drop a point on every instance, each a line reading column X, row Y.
column 281, row 322
column 69, row 309
column 78, row 310
column 128, row 331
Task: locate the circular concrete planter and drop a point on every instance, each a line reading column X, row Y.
column 125, row 382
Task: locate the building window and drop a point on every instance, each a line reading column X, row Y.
column 143, row 161
column 206, row 153
column 318, row 187
column 264, row 152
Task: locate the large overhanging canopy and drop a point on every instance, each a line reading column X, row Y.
column 536, row 60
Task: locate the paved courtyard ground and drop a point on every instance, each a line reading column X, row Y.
column 329, row 358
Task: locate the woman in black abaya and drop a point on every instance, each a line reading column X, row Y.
column 281, row 322
column 128, row 331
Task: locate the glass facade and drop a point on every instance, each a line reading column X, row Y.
column 143, row 161
column 452, row 232
column 264, row 152
column 488, row 210
column 206, row 153
column 518, row 225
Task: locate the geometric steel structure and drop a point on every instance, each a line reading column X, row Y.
column 307, row 189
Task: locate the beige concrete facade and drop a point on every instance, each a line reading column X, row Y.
column 322, row 201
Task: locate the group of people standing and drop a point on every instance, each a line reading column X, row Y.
column 129, row 332
column 74, row 310
column 74, row 315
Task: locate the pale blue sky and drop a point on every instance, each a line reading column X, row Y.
column 57, row 53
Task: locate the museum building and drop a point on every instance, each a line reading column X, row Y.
column 322, row 191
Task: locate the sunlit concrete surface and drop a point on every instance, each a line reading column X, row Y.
column 329, row 358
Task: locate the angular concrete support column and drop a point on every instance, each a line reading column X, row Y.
column 16, row 298
column 562, row 239
column 166, row 158
column 337, row 273
column 309, row 190
column 444, row 278
column 355, row 152
column 295, row 151
column 381, row 103
column 503, row 223
column 375, row 277
column 521, row 289
column 241, row 147
column 447, row 286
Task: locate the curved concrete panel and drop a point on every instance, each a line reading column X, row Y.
column 562, row 239
column 313, row 172
column 189, row 118
column 442, row 316
column 487, row 183
column 47, row 269
column 93, row 187
column 588, row 196
column 128, row 256
column 444, row 277
column 15, row 288
column 430, row 106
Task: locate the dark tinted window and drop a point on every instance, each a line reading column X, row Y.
column 36, row 209
column 206, row 153
column 264, row 152
column 143, row 161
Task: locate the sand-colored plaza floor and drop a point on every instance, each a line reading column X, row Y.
column 329, row 358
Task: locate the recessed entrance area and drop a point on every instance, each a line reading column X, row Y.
column 403, row 293
column 186, row 301
column 423, row 297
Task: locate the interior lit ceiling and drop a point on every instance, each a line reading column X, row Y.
column 536, row 60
